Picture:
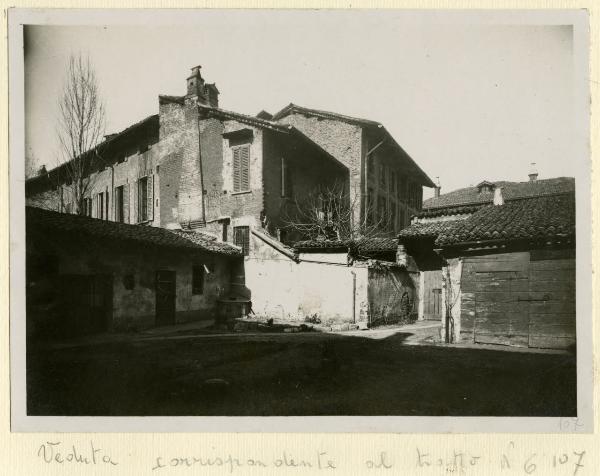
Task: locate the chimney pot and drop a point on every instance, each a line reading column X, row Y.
column 401, row 256
column 533, row 172
column 498, row 198
column 437, row 189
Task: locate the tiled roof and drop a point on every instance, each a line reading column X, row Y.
column 384, row 133
column 526, row 219
column 244, row 118
column 546, row 217
column 427, row 230
column 75, row 225
column 510, row 191
column 292, row 108
column 366, row 247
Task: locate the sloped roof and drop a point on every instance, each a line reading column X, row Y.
column 427, row 230
column 535, row 218
column 76, row 225
column 147, row 126
column 510, row 191
column 525, row 219
column 294, row 108
column 366, row 247
column 244, row 118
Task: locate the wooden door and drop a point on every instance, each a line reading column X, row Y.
column 165, row 297
column 495, row 299
column 432, row 295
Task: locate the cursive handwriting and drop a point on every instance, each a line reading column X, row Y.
column 55, row 452
column 230, row 463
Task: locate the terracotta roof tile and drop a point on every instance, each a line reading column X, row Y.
column 46, row 220
column 510, row 191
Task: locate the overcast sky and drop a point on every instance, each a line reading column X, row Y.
column 467, row 101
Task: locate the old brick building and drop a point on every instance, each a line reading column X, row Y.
column 197, row 166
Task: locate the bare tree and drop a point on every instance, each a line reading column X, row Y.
column 81, row 126
column 329, row 212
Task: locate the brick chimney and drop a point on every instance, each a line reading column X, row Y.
column 533, row 172
column 207, row 94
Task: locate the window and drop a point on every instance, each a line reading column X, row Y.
column 241, row 168
column 119, row 205
column 106, row 207
column 241, row 238
column 286, row 178
column 100, row 206
column 198, row 279
column 143, row 199
column 87, row 207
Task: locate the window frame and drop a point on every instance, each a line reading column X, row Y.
column 119, row 203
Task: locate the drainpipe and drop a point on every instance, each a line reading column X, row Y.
column 353, row 297
column 366, row 172
column 201, row 169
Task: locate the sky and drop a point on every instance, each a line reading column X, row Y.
column 468, row 100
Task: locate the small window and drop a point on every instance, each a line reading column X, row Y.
column 198, row 279
column 241, row 238
column 241, row 168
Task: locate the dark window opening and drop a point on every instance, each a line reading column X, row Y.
column 100, row 206
column 198, row 279
column 128, row 281
column 119, row 205
column 241, row 238
column 225, row 231
column 143, row 199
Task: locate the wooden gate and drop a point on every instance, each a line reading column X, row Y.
column 165, row 297
column 520, row 299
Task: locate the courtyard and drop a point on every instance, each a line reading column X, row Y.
column 295, row 374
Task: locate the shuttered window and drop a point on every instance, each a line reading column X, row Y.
column 241, row 168
column 241, row 238
column 145, row 199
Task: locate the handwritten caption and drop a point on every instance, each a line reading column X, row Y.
column 425, row 461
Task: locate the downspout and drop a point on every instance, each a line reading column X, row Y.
column 201, row 169
column 353, row 297
column 366, row 172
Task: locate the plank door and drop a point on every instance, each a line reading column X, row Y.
column 432, row 295
column 165, row 297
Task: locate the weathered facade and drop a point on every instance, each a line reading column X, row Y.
column 85, row 275
column 345, row 284
column 506, row 268
column 195, row 166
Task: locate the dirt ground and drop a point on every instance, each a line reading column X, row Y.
column 296, row 374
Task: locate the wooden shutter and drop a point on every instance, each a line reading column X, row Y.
column 134, row 208
column 236, row 170
column 126, row 208
column 150, row 197
column 245, row 168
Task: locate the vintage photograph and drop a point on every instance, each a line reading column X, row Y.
column 302, row 213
